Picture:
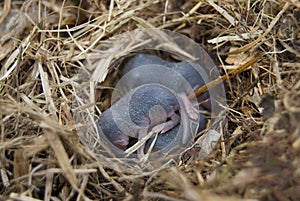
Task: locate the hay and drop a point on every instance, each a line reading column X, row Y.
column 43, row 46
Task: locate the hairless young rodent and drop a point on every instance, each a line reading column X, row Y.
column 195, row 74
column 167, row 141
column 196, row 77
column 182, row 77
column 145, row 108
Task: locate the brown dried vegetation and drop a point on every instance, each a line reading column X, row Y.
column 43, row 45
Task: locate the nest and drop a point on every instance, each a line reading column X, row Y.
column 45, row 44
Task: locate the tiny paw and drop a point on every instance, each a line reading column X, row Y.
column 165, row 127
column 190, row 109
column 158, row 128
column 121, row 143
column 192, row 112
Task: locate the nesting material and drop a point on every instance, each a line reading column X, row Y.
column 45, row 44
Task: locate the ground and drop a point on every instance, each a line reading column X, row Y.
column 43, row 46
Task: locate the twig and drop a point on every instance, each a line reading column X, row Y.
column 225, row 77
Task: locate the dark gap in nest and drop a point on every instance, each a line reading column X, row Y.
column 57, row 186
column 37, row 181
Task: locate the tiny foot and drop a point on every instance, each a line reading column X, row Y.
column 190, row 109
column 121, row 143
column 158, row 128
column 192, row 112
column 164, row 127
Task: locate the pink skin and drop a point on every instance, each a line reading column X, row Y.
column 165, row 127
column 122, row 141
column 157, row 120
column 190, row 109
column 160, row 128
column 141, row 69
column 152, row 108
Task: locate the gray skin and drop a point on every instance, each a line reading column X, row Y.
column 147, row 107
column 167, row 141
column 197, row 77
column 183, row 77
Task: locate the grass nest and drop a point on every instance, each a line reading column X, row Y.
column 43, row 46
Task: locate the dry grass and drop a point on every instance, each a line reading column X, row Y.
column 44, row 44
